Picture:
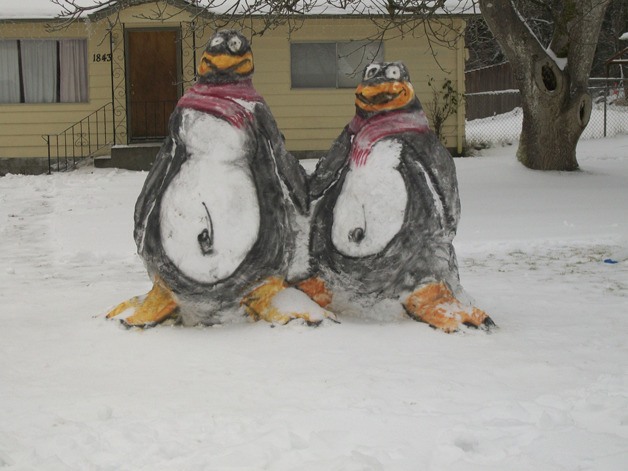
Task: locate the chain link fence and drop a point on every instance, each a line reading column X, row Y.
column 609, row 116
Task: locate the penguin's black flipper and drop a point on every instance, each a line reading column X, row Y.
column 295, row 178
column 159, row 176
column 156, row 174
column 430, row 156
column 291, row 172
column 329, row 167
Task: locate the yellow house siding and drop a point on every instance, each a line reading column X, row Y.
column 30, row 121
column 312, row 118
column 24, row 124
column 309, row 118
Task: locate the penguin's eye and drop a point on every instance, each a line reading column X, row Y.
column 218, row 40
column 371, row 71
column 235, row 43
column 393, row 72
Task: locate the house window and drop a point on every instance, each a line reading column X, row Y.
column 331, row 65
column 43, row 71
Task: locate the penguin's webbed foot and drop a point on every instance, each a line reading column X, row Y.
column 317, row 290
column 276, row 302
column 148, row 310
column 436, row 305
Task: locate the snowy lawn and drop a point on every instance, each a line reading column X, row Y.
column 547, row 391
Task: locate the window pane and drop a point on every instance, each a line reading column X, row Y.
column 73, row 70
column 353, row 57
column 9, row 72
column 39, row 70
column 313, row 65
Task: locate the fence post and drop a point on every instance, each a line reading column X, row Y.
column 605, row 102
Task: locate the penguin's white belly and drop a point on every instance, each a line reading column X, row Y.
column 209, row 213
column 371, row 206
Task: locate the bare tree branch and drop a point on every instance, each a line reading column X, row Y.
column 402, row 16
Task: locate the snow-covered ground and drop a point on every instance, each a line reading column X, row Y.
column 546, row 391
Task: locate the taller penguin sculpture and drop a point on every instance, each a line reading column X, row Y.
column 215, row 221
column 388, row 209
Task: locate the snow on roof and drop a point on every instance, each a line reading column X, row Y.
column 29, row 9
column 45, row 9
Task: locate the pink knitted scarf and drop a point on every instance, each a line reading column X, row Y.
column 368, row 131
column 221, row 100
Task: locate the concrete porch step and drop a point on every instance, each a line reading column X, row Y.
column 130, row 157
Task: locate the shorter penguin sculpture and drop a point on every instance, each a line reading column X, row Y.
column 388, row 209
column 215, row 222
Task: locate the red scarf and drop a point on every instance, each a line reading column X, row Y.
column 370, row 130
column 220, row 100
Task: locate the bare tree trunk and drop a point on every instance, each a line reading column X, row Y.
column 553, row 118
column 553, row 82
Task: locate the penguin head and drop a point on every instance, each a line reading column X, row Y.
column 385, row 86
column 227, row 58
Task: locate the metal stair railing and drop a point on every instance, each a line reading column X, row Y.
column 81, row 140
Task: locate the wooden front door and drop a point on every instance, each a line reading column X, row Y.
column 153, row 82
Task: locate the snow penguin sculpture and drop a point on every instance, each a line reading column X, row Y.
column 215, row 220
column 388, row 210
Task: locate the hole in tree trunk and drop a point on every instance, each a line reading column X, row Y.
column 584, row 110
column 549, row 78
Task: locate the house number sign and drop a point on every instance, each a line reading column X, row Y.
column 101, row 57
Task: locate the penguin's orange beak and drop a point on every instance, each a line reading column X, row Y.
column 384, row 96
column 241, row 65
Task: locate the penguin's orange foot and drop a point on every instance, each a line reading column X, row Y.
column 436, row 305
column 274, row 301
column 146, row 311
column 316, row 289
